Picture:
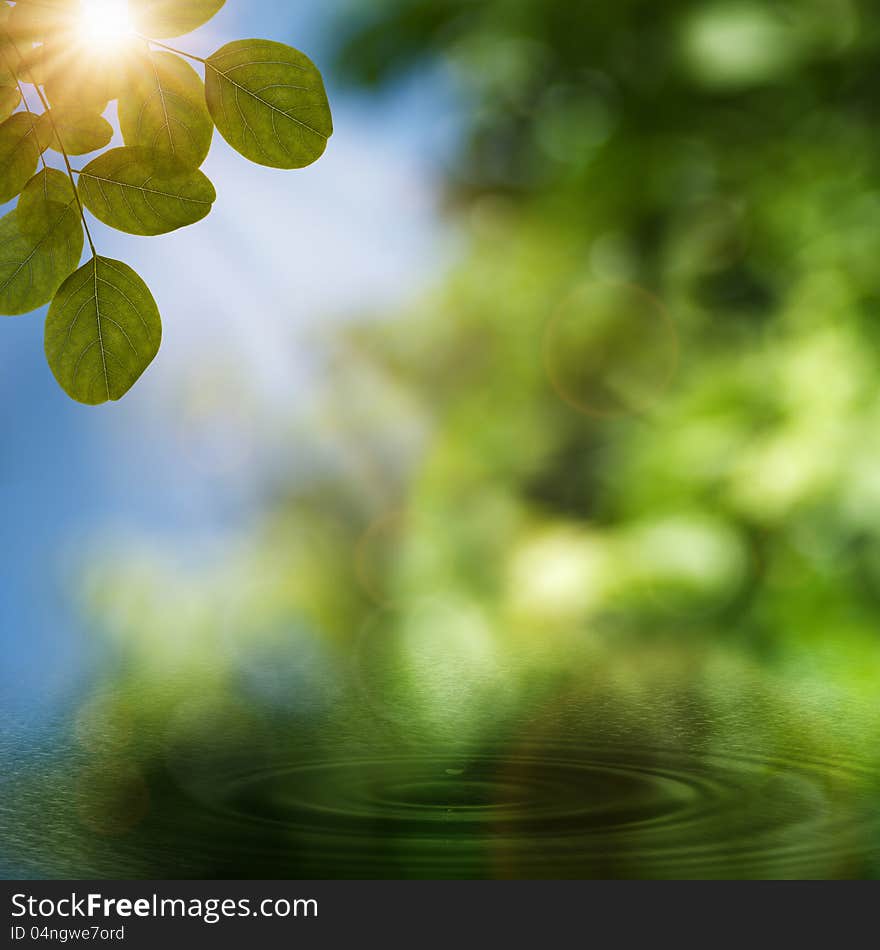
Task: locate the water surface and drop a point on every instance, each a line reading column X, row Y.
column 569, row 786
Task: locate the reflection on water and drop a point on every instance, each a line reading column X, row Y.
column 576, row 787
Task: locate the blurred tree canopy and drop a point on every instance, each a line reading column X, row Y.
column 639, row 416
column 674, row 217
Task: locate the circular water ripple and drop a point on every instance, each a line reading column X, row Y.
column 582, row 812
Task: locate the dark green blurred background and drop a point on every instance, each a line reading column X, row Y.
column 590, row 584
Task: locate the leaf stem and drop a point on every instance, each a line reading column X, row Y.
column 171, row 49
column 82, row 212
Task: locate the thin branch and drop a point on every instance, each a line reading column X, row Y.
column 61, row 148
column 171, row 49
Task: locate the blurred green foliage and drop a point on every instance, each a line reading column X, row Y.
column 639, row 414
column 616, row 476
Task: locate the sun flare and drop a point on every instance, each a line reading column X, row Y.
column 103, row 24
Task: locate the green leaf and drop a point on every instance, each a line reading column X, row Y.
column 9, row 100
column 10, row 96
column 81, row 131
column 48, row 185
column 41, row 242
column 268, row 101
column 34, row 21
column 23, row 139
column 79, row 75
column 85, row 81
column 102, row 332
column 9, row 58
column 163, row 19
column 33, row 65
column 142, row 191
column 163, row 107
column 9, row 61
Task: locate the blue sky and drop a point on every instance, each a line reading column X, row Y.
column 282, row 256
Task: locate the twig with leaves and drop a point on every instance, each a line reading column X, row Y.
column 267, row 99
